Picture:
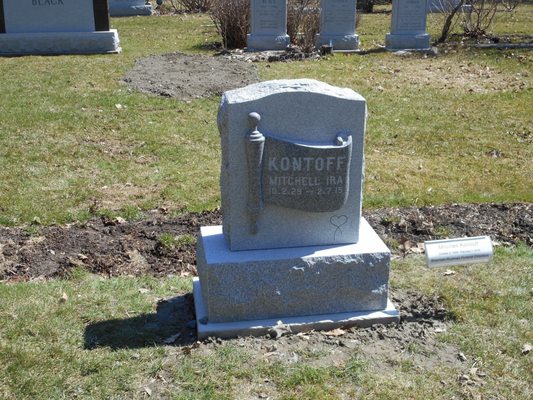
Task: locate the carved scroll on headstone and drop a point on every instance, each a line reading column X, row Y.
column 306, row 177
column 300, row 176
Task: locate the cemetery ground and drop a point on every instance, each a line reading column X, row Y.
column 128, row 177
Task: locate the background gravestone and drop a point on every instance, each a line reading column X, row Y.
column 436, row 6
column 56, row 27
column 408, row 26
column 444, row 6
column 337, row 25
column 123, row 8
column 293, row 245
column 268, row 25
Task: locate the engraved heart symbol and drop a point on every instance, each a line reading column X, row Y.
column 338, row 221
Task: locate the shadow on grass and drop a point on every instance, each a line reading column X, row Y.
column 372, row 50
column 173, row 319
column 208, row 46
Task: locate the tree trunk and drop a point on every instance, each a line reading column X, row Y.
column 448, row 22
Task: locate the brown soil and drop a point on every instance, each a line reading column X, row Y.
column 188, row 77
column 117, row 247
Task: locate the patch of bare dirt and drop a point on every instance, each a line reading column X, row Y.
column 113, row 247
column 405, row 228
column 188, row 77
column 110, row 247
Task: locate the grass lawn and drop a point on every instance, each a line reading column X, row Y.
column 433, row 123
column 45, row 354
column 453, row 128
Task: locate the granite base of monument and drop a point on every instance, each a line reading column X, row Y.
column 128, row 11
column 339, row 42
column 323, row 322
column 256, row 42
column 242, row 293
column 59, row 43
column 408, row 42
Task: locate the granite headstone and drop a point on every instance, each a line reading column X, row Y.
column 56, row 27
column 337, row 25
column 408, row 26
column 307, row 183
column 293, row 245
column 438, row 6
column 445, row 6
column 268, row 25
column 124, row 8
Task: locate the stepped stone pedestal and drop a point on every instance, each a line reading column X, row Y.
column 242, row 293
column 268, row 25
column 337, row 25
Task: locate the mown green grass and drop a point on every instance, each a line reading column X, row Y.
column 493, row 305
column 48, row 351
column 66, row 145
column 66, row 150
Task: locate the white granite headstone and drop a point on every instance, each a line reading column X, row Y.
column 27, row 16
column 337, row 25
column 408, row 26
column 268, row 25
column 293, row 246
column 56, row 27
column 308, row 179
column 124, row 8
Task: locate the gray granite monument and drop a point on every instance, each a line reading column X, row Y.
column 337, row 25
column 408, row 26
column 268, row 25
column 125, row 8
column 56, row 27
column 293, row 246
column 445, row 6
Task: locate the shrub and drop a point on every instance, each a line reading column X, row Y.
column 191, row 5
column 231, row 19
column 481, row 17
column 510, row 5
column 366, row 5
column 303, row 23
column 478, row 21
